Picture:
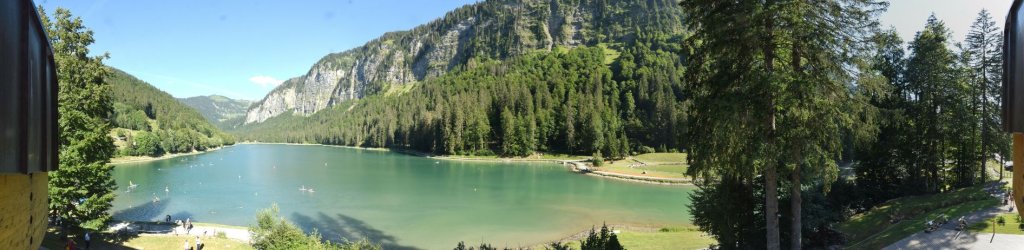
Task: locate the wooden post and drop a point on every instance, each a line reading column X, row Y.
column 1018, row 171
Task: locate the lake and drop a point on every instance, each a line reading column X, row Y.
column 401, row 201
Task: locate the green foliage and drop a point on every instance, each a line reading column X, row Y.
column 771, row 93
column 601, row 240
column 145, row 143
column 272, row 232
column 126, row 117
column 595, row 240
column 178, row 128
column 81, row 189
column 557, row 246
column 937, row 123
column 597, row 160
column 730, row 211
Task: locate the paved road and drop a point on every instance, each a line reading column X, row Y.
column 947, row 237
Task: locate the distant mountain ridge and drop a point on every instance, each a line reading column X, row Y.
column 151, row 122
column 496, row 29
column 219, row 110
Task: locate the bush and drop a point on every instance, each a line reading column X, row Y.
column 645, row 150
column 597, row 159
column 603, row 240
column 271, row 233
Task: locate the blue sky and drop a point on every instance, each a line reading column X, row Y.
column 239, row 49
column 242, row 49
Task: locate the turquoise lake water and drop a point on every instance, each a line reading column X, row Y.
column 401, row 201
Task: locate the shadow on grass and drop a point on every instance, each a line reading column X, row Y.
column 342, row 227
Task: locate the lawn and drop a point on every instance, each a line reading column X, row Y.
column 662, row 158
column 663, row 171
column 668, row 238
column 872, row 230
column 105, row 241
column 664, row 165
column 688, row 237
column 1012, row 225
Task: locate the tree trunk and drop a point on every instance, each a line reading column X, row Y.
column 795, row 203
column 771, row 206
column 771, row 194
column 984, row 124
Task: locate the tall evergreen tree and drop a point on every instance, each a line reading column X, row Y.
column 763, row 76
column 82, row 188
column 931, row 83
column 984, row 49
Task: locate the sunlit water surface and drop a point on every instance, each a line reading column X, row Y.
column 398, row 200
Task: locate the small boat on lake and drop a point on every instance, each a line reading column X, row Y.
column 303, row 188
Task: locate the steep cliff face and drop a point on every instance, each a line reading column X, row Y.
column 492, row 29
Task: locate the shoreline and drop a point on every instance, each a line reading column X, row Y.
column 600, row 174
column 138, row 159
column 641, row 179
column 241, row 234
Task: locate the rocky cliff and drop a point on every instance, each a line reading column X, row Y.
column 495, row 29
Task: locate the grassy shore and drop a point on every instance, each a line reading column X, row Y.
column 683, row 237
column 873, row 229
column 136, row 159
column 144, row 241
column 659, row 165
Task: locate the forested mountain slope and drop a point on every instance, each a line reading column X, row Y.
column 219, row 110
column 607, row 82
column 494, row 29
column 151, row 122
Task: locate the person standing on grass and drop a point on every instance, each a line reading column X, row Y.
column 199, row 243
column 186, row 245
column 88, row 241
column 70, row 244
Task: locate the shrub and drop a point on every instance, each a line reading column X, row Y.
column 270, row 233
column 645, row 150
column 597, row 160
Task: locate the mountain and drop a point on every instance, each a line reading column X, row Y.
column 494, row 29
column 506, row 77
column 222, row 111
column 151, row 122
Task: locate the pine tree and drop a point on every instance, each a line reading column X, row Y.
column 930, row 86
column 82, row 188
column 984, row 48
column 762, row 76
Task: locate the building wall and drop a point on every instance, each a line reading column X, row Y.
column 23, row 210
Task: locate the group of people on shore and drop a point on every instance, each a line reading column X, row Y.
column 199, row 244
column 186, row 225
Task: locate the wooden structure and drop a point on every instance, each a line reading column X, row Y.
column 1013, row 94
